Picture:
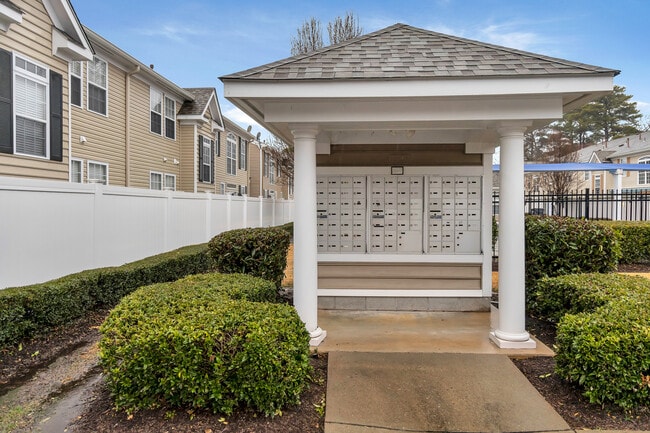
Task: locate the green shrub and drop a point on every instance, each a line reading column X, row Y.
column 607, row 352
column 634, row 239
column 261, row 252
column 554, row 297
column 560, row 246
column 190, row 344
column 39, row 307
column 288, row 227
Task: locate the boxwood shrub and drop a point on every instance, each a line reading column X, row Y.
column 607, row 352
column 634, row 239
column 261, row 252
column 205, row 342
column 554, row 297
column 560, row 246
column 37, row 308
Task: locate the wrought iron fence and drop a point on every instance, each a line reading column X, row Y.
column 606, row 205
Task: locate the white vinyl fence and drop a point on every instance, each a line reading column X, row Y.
column 50, row 229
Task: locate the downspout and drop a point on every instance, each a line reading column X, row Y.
column 127, row 126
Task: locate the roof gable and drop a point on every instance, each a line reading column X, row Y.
column 405, row 52
column 205, row 101
column 69, row 38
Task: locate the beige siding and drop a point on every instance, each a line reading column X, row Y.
column 149, row 150
column 398, row 276
column 33, row 39
column 188, row 148
column 414, row 155
column 206, row 131
column 105, row 135
column 254, row 169
column 241, row 176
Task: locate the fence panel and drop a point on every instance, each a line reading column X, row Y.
column 50, row 229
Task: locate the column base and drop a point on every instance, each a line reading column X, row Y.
column 505, row 344
column 317, row 337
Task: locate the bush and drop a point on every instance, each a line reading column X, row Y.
column 570, row 294
column 607, row 352
column 261, row 252
column 634, row 240
column 560, row 246
column 203, row 342
column 39, row 307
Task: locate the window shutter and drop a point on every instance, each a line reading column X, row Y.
column 218, row 144
column 200, row 150
column 56, row 116
column 239, row 154
column 6, row 99
column 212, row 144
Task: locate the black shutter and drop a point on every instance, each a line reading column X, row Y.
column 6, row 100
column 201, row 158
column 212, row 144
column 218, row 150
column 239, row 158
column 56, row 116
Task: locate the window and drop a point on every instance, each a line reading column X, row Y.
column 644, row 176
column 76, row 78
column 587, row 175
column 155, row 104
column 597, row 183
column 243, row 154
column 155, row 180
column 97, row 173
column 76, row 171
column 97, row 86
column 170, row 118
column 206, row 159
column 267, row 157
column 170, row 182
column 271, row 171
column 31, row 108
column 231, row 154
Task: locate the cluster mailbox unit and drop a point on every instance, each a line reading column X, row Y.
column 425, row 214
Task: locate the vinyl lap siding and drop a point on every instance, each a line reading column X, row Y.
column 33, row 39
column 105, row 134
column 188, row 149
column 149, row 149
column 398, row 276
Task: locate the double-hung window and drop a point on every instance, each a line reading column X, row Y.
column 206, row 159
column 243, row 154
column 231, row 154
column 97, row 172
column 170, row 182
column 170, row 118
column 155, row 103
column 98, row 86
column 271, row 171
column 76, row 171
column 31, row 108
column 644, row 176
column 76, row 78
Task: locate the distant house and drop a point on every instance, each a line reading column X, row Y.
column 267, row 178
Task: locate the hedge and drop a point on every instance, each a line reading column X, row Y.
column 561, row 246
column 607, row 351
column 634, row 240
column 570, row 294
column 40, row 307
column 261, row 252
column 202, row 342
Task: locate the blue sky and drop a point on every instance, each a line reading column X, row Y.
column 193, row 42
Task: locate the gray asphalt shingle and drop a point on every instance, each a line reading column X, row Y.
column 405, row 52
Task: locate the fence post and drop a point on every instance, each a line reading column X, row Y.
column 587, row 203
column 208, row 214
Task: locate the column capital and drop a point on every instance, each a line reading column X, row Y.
column 513, row 129
column 304, row 131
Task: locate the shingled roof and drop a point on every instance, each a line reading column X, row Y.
column 405, row 52
column 199, row 104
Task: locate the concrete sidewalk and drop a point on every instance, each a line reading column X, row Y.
column 371, row 392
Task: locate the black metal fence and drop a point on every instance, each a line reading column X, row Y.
column 608, row 205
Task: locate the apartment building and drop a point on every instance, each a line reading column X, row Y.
column 267, row 178
column 83, row 110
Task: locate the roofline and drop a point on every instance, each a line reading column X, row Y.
column 144, row 70
column 230, row 124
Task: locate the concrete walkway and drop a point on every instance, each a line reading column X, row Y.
column 427, row 372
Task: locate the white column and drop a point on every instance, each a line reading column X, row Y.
column 305, row 260
column 511, row 330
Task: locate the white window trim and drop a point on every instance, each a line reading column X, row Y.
column 162, row 177
column 164, row 117
column 37, row 78
column 165, row 176
column 81, row 83
column 207, row 143
column 152, row 91
column 231, row 144
column 81, row 167
column 88, row 83
column 98, row 163
column 645, row 174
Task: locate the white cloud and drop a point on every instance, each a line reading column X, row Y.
column 174, row 32
column 243, row 120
